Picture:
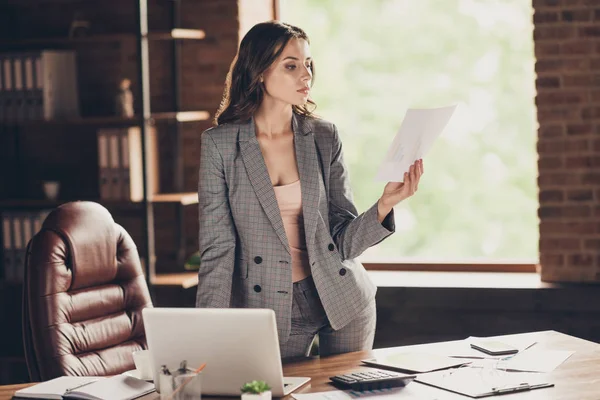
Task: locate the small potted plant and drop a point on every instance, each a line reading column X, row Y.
column 256, row 390
column 192, row 263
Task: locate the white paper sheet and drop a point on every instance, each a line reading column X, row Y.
column 419, row 129
column 536, row 360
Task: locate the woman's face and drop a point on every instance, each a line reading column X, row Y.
column 288, row 79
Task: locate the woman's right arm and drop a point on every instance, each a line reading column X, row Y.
column 217, row 234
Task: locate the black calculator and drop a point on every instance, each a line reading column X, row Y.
column 372, row 379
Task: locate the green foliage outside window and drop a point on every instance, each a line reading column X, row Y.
column 376, row 58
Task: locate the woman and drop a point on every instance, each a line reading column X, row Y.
column 278, row 228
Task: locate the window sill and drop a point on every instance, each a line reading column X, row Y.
column 454, row 279
column 457, row 266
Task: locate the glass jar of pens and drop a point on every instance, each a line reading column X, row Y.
column 181, row 384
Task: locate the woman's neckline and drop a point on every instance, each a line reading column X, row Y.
column 287, row 184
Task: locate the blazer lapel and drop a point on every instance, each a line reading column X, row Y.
column 308, row 168
column 259, row 178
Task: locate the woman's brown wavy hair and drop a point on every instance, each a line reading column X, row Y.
column 258, row 50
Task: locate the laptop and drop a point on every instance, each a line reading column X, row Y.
column 238, row 345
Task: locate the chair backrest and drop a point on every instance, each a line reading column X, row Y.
column 83, row 295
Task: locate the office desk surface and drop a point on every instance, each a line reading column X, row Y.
column 578, row 378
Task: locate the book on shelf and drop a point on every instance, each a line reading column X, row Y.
column 18, row 228
column 38, row 85
column 118, row 387
column 120, row 163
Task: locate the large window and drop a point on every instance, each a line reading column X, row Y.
column 374, row 59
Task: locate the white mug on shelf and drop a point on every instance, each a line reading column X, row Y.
column 51, row 189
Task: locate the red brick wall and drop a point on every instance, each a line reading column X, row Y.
column 567, row 49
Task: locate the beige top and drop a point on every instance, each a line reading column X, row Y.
column 289, row 198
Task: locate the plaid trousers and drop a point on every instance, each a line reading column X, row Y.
column 309, row 320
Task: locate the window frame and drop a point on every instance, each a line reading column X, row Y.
column 453, row 267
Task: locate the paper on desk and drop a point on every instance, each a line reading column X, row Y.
column 462, row 349
column 536, row 360
column 416, row 135
column 409, row 392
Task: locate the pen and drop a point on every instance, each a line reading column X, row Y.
column 79, row 386
column 529, row 346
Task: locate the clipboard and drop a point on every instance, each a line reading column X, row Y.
column 478, row 383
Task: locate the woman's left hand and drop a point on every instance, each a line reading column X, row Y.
column 395, row 192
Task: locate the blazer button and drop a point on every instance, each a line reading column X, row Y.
column 257, row 288
column 331, row 247
column 343, row 271
column 258, row 259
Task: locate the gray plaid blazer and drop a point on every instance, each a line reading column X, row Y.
column 244, row 251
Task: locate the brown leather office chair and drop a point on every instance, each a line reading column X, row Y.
column 83, row 295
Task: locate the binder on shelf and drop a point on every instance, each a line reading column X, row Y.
column 12, row 110
column 18, row 260
column 25, row 236
column 18, row 87
column 8, row 87
column 28, row 84
column 103, row 172
column 18, row 228
column 48, row 79
column 38, row 85
column 2, row 89
column 113, row 164
column 124, row 142
column 38, row 88
column 24, row 219
column 7, row 253
column 132, row 163
column 120, row 163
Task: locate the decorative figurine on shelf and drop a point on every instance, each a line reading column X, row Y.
column 256, row 390
column 80, row 26
column 124, row 99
